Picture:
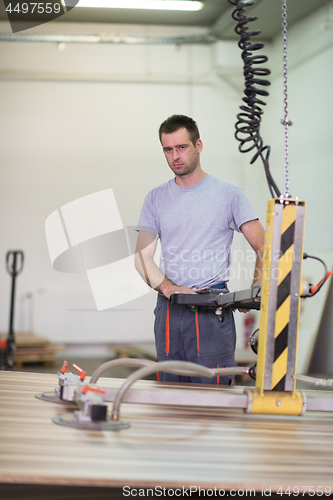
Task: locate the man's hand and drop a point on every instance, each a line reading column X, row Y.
column 168, row 288
column 150, row 272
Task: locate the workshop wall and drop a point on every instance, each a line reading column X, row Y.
column 84, row 119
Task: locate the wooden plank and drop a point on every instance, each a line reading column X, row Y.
column 28, row 351
column 31, row 348
column 27, row 339
column 167, row 446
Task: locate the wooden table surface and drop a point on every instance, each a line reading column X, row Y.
column 167, row 446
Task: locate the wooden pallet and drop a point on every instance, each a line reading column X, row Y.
column 31, row 348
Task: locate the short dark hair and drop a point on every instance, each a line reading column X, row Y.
column 175, row 122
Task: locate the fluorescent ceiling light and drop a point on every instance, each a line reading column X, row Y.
column 141, row 4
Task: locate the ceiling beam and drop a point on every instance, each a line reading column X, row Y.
column 225, row 21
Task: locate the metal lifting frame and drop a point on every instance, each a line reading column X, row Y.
column 280, row 307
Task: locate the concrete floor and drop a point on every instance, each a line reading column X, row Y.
column 88, row 364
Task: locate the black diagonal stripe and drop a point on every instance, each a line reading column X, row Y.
column 283, row 290
column 281, row 342
column 280, row 385
column 287, row 238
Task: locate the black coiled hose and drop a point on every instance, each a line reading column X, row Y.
column 248, row 124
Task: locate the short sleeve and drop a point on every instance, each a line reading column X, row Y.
column 241, row 210
column 148, row 220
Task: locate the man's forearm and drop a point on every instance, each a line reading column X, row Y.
column 154, row 277
column 257, row 274
column 148, row 270
column 255, row 235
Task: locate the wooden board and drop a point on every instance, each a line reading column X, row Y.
column 31, row 348
column 166, row 446
column 27, row 339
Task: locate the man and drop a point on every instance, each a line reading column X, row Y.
column 194, row 215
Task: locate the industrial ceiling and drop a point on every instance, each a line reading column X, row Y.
column 215, row 16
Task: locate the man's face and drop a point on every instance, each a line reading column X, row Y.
column 180, row 152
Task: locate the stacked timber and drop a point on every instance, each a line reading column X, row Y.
column 31, row 348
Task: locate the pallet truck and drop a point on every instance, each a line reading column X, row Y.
column 14, row 265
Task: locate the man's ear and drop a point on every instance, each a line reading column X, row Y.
column 199, row 145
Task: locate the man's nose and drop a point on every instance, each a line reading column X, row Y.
column 175, row 154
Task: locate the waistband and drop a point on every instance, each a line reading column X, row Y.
column 223, row 284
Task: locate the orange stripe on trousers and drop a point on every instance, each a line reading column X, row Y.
column 218, row 377
column 197, row 329
column 167, row 332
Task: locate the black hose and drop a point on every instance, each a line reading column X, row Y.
column 248, row 124
column 307, row 256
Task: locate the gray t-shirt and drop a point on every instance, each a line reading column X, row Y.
column 195, row 225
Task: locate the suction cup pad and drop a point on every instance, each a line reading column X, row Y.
column 52, row 397
column 70, row 420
